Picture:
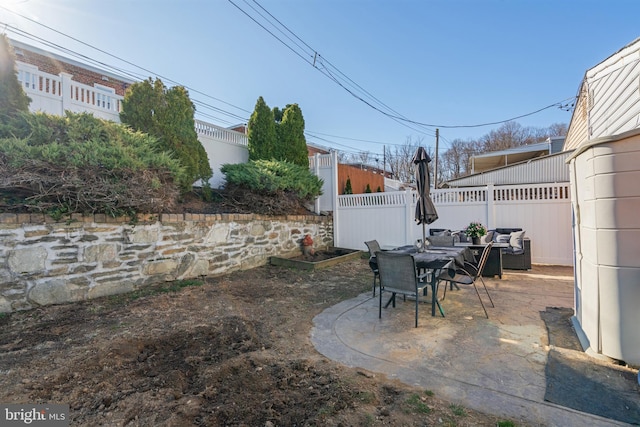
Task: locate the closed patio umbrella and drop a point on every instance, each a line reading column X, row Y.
column 425, row 210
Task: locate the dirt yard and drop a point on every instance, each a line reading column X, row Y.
column 230, row 351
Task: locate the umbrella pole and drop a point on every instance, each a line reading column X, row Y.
column 424, row 235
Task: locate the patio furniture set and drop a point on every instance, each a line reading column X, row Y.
column 411, row 270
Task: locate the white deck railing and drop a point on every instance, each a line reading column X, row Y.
column 221, row 134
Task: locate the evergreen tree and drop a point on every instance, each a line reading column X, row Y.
column 167, row 114
column 368, row 189
column 347, row 187
column 292, row 143
column 261, row 132
column 12, row 97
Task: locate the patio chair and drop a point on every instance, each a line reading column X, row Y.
column 441, row 240
column 469, row 275
column 373, row 247
column 398, row 275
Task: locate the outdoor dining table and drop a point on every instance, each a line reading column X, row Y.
column 437, row 258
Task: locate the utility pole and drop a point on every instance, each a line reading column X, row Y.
column 384, row 161
column 435, row 168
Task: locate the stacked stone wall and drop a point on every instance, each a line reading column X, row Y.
column 45, row 262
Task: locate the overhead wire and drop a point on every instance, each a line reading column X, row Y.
column 133, row 75
column 346, row 81
column 318, row 59
column 313, row 57
column 113, row 56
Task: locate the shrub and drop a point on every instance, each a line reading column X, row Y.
column 269, row 186
column 80, row 164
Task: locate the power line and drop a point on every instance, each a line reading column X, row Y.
column 345, row 81
column 323, row 65
column 113, row 56
column 131, row 74
column 135, row 76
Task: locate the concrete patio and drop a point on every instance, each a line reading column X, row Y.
column 495, row 365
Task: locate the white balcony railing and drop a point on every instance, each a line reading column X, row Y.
column 56, row 94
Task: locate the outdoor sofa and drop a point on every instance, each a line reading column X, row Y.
column 515, row 257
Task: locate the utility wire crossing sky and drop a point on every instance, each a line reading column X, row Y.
column 398, row 69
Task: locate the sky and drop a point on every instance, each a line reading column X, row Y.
column 367, row 74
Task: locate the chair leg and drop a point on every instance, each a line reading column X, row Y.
column 440, row 308
column 417, row 309
column 487, row 291
column 374, row 284
column 481, row 303
column 391, row 300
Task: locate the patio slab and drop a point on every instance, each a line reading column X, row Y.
column 495, row 365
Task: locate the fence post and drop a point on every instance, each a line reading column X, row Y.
column 316, row 168
column 408, row 217
column 334, row 198
column 491, row 212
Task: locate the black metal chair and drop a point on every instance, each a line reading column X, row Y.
column 398, row 275
column 373, row 247
column 441, row 240
column 469, row 275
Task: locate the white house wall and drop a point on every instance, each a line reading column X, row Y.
column 609, row 98
column 222, row 146
column 545, row 169
column 579, row 126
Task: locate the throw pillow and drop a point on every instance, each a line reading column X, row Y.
column 487, row 237
column 502, row 238
column 517, row 240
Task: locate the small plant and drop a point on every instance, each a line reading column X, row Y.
column 416, row 404
column 368, row 189
column 506, row 423
column 458, row 410
column 58, row 212
column 475, row 229
column 429, row 393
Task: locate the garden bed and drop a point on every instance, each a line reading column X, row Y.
column 321, row 259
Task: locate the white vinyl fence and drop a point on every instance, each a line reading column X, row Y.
column 542, row 210
column 322, row 165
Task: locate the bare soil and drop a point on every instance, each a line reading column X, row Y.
column 233, row 350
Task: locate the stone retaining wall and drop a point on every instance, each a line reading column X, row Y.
column 46, row 262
